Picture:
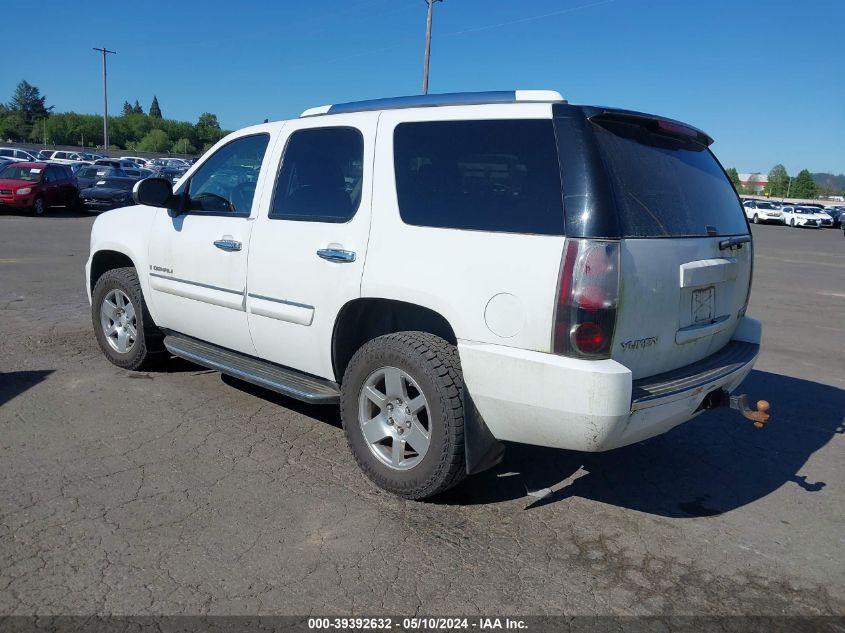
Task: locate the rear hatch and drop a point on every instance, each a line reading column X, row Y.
column 685, row 249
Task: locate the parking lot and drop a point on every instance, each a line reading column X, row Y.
column 181, row 491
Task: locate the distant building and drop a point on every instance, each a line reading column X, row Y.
column 754, row 182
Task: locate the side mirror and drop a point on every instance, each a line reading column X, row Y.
column 153, row 192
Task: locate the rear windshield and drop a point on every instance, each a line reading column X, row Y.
column 667, row 187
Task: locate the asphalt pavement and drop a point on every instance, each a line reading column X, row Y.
column 184, row 492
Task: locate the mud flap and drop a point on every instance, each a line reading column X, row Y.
column 482, row 450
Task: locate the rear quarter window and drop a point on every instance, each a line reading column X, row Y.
column 497, row 175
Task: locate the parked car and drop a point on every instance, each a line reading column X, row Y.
column 796, row 216
column 17, row 154
column 445, row 300
column 824, row 218
column 141, row 162
column 44, row 155
column 108, row 193
column 837, row 214
column 37, row 186
column 89, row 175
column 762, row 211
column 139, row 173
column 173, row 174
column 64, row 157
column 169, row 162
column 117, row 163
column 75, row 167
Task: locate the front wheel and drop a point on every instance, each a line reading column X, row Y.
column 402, row 412
column 122, row 324
column 756, row 219
column 39, row 206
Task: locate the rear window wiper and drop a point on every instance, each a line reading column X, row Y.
column 734, row 242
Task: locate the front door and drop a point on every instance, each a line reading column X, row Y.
column 198, row 254
column 307, row 255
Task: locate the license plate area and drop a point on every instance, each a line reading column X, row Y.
column 703, row 305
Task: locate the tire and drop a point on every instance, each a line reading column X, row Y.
column 792, row 223
column 143, row 342
column 756, row 219
column 39, row 206
column 75, row 205
column 430, row 369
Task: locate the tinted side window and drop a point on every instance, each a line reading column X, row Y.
column 226, row 182
column 321, row 176
column 480, row 175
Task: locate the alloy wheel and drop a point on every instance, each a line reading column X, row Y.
column 118, row 320
column 394, row 417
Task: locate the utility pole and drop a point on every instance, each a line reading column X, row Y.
column 430, row 4
column 105, row 52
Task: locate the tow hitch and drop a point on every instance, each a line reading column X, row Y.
column 721, row 398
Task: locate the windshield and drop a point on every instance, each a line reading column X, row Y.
column 29, row 174
column 666, row 186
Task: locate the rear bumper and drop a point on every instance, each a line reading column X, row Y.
column 549, row 400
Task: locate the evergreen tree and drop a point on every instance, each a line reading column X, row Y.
column 155, row 111
column 137, row 109
column 734, row 178
column 803, row 186
column 28, row 103
column 127, row 109
column 778, row 181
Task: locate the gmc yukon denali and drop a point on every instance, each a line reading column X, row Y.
column 453, row 271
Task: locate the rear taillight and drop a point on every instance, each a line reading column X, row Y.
column 588, row 293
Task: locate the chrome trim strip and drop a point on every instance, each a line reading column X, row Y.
column 282, row 301
column 198, row 284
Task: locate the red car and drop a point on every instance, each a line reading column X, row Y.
column 37, row 186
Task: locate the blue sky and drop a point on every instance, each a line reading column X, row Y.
column 764, row 77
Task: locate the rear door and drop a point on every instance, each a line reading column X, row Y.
column 683, row 287
column 307, row 254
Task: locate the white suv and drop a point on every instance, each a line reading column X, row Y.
column 453, row 270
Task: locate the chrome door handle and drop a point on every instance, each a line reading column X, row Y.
column 336, row 255
column 228, row 245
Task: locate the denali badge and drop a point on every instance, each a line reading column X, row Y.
column 160, row 269
column 640, row 343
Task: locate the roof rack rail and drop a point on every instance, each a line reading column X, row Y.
column 445, row 99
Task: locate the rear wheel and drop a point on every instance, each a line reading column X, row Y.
column 122, row 324
column 402, row 412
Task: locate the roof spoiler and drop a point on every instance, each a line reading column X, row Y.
column 656, row 124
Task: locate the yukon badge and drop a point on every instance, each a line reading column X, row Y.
column 640, row 343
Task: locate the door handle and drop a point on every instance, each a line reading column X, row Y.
column 336, row 255
column 228, row 245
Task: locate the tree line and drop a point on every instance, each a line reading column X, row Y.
column 27, row 119
column 781, row 185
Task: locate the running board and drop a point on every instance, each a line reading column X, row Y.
column 283, row 380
